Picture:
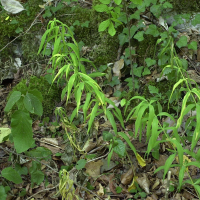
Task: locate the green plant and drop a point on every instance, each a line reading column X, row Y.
column 41, row 84
column 66, row 57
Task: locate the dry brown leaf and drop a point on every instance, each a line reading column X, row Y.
column 100, row 192
column 93, row 168
column 144, row 183
column 127, row 177
column 117, row 67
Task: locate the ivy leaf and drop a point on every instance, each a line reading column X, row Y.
column 118, row 2
column 192, row 45
column 153, row 89
column 196, row 20
column 120, row 148
column 37, row 177
column 146, row 71
column 139, row 36
column 81, row 164
column 152, row 30
column 21, row 130
column 182, row 41
column 138, row 71
column 12, row 175
column 123, row 38
column 136, row 15
column 150, row 62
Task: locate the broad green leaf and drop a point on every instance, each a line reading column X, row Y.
column 12, row 175
column 4, row 132
column 182, row 41
column 33, row 104
column 21, row 130
column 93, row 115
column 40, row 153
column 101, row 8
column 37, row 177
column 14, row 97
column 111, row 29
column 81, row 164
column 3, row 194
column 120, row 149
column 37, row 94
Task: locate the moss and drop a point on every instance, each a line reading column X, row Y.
column 41, row 84
column 146, row 49
column 102, row 44
column 184, row 6
column 23, row 21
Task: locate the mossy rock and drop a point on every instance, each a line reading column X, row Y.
column 49, row 97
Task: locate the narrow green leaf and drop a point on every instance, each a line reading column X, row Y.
column 70, row 85
column 92, row 116
column 85, row 106
column 123, row 135
column 111, row 120
column 168, row 164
